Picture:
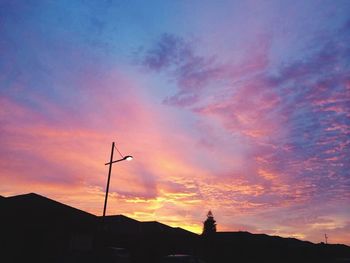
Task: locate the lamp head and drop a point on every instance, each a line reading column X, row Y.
column 128, row 158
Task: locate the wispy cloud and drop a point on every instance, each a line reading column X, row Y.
column 294, row 119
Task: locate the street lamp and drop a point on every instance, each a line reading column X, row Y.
column 128, row 158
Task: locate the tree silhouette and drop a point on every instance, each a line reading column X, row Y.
column 209, row 225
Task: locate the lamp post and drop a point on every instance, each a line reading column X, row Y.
column 128, row 158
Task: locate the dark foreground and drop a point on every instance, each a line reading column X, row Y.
column 37, row 229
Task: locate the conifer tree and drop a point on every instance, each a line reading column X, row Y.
column 209, row 225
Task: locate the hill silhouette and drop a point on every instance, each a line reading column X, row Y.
column 38, row 229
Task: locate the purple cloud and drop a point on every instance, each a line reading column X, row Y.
column 295, row 117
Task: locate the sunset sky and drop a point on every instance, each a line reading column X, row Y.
column 239, row 107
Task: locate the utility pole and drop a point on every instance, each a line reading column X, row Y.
column 109, row 178
column 127, row 158
column 326, row 238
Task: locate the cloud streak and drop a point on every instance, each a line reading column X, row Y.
column 293, row 117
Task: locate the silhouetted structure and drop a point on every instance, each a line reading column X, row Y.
column 209, row 225
column 34, row 228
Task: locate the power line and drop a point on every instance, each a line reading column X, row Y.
column 121, row 155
